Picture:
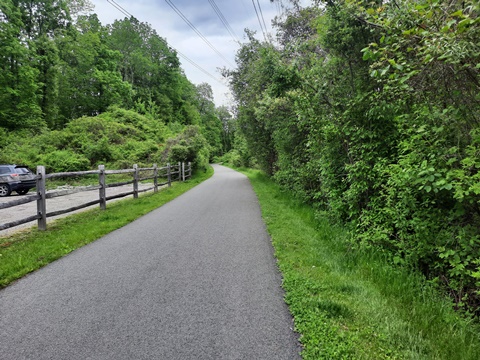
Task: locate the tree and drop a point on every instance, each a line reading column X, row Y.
column 89, row 81
column 149, row 65
column 210, row 123
column 228, row 127
column 43, row 21
column 370, row 110
column 426, row 62
column 248, row 82
column 19, row 102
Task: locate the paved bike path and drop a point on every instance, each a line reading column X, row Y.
column 194, row 279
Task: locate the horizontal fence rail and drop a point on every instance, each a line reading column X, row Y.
column 177, row 172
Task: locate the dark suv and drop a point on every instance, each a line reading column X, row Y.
column 16, row 178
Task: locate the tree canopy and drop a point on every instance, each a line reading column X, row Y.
column 369, row 110
column 59, row 64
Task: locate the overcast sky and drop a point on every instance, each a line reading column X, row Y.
column 239, row 14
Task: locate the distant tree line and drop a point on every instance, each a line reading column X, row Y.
column 370, row 111
column 58, row 65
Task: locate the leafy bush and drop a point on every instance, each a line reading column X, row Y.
column 232, row 158
column 370, row 111
column 240, row 155
column 188, row 146
column 179, row 153
column 100, row 152
column 64, row 161
column 119, row 138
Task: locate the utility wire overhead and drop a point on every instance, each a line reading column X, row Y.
column 126, row 13
column 259, row 21
column 184, row 18
column 119, row 8
column 279, row 12
column 261, row 13
column 223, row 19
column 245, row 6
column 198, row 66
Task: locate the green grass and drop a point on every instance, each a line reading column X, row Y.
column 351, row 305
column 27, row 251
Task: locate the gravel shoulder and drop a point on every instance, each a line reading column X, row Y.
column 59, row 203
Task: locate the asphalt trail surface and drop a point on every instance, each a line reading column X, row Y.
column 194, row 279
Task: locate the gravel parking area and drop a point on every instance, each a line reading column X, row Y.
column 55, row 204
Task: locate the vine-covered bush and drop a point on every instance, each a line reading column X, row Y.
column 189, row 146
column 64, row 161
column 117, row 139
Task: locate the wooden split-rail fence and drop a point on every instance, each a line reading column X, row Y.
column 177, row 172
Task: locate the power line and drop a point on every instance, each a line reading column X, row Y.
column 223, row 19
column 261, row 13
column 119, row 8
column 184, row 18
column 198, row 66
column 244, row 6
column 125, row 12
column 278, row 8
column 258, row 18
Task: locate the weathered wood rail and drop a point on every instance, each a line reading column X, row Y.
column 170, row 173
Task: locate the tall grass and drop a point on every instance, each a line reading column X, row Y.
column 27, row 251
column 354, row 305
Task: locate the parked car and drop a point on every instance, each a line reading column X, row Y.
column 16, row 178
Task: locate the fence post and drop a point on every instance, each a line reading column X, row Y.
column 135, row 181
column 102, row 190
column 189, row 169
column 169, row 175
column 179, row 171
column 41, row 202
column 155, row 178
column 183, row 171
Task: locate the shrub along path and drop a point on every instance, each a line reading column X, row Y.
column 194, row 279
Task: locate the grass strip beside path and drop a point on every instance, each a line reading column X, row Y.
column 27, row 251
column 349, row 305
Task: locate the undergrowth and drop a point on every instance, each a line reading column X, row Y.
column 353, row 305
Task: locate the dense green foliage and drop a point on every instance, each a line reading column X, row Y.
column 354, row 304
column 117, row 138
column 369, row 110
column 65, row 78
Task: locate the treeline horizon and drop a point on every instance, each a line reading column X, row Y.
column 59, row 68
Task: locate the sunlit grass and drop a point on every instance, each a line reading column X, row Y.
column 27, row 251
column 351, row 305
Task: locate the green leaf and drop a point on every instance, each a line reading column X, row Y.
column 457, row 13
column 367, row 54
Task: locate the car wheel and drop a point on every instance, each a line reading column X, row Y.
column 5, row 190
column 22, row 191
